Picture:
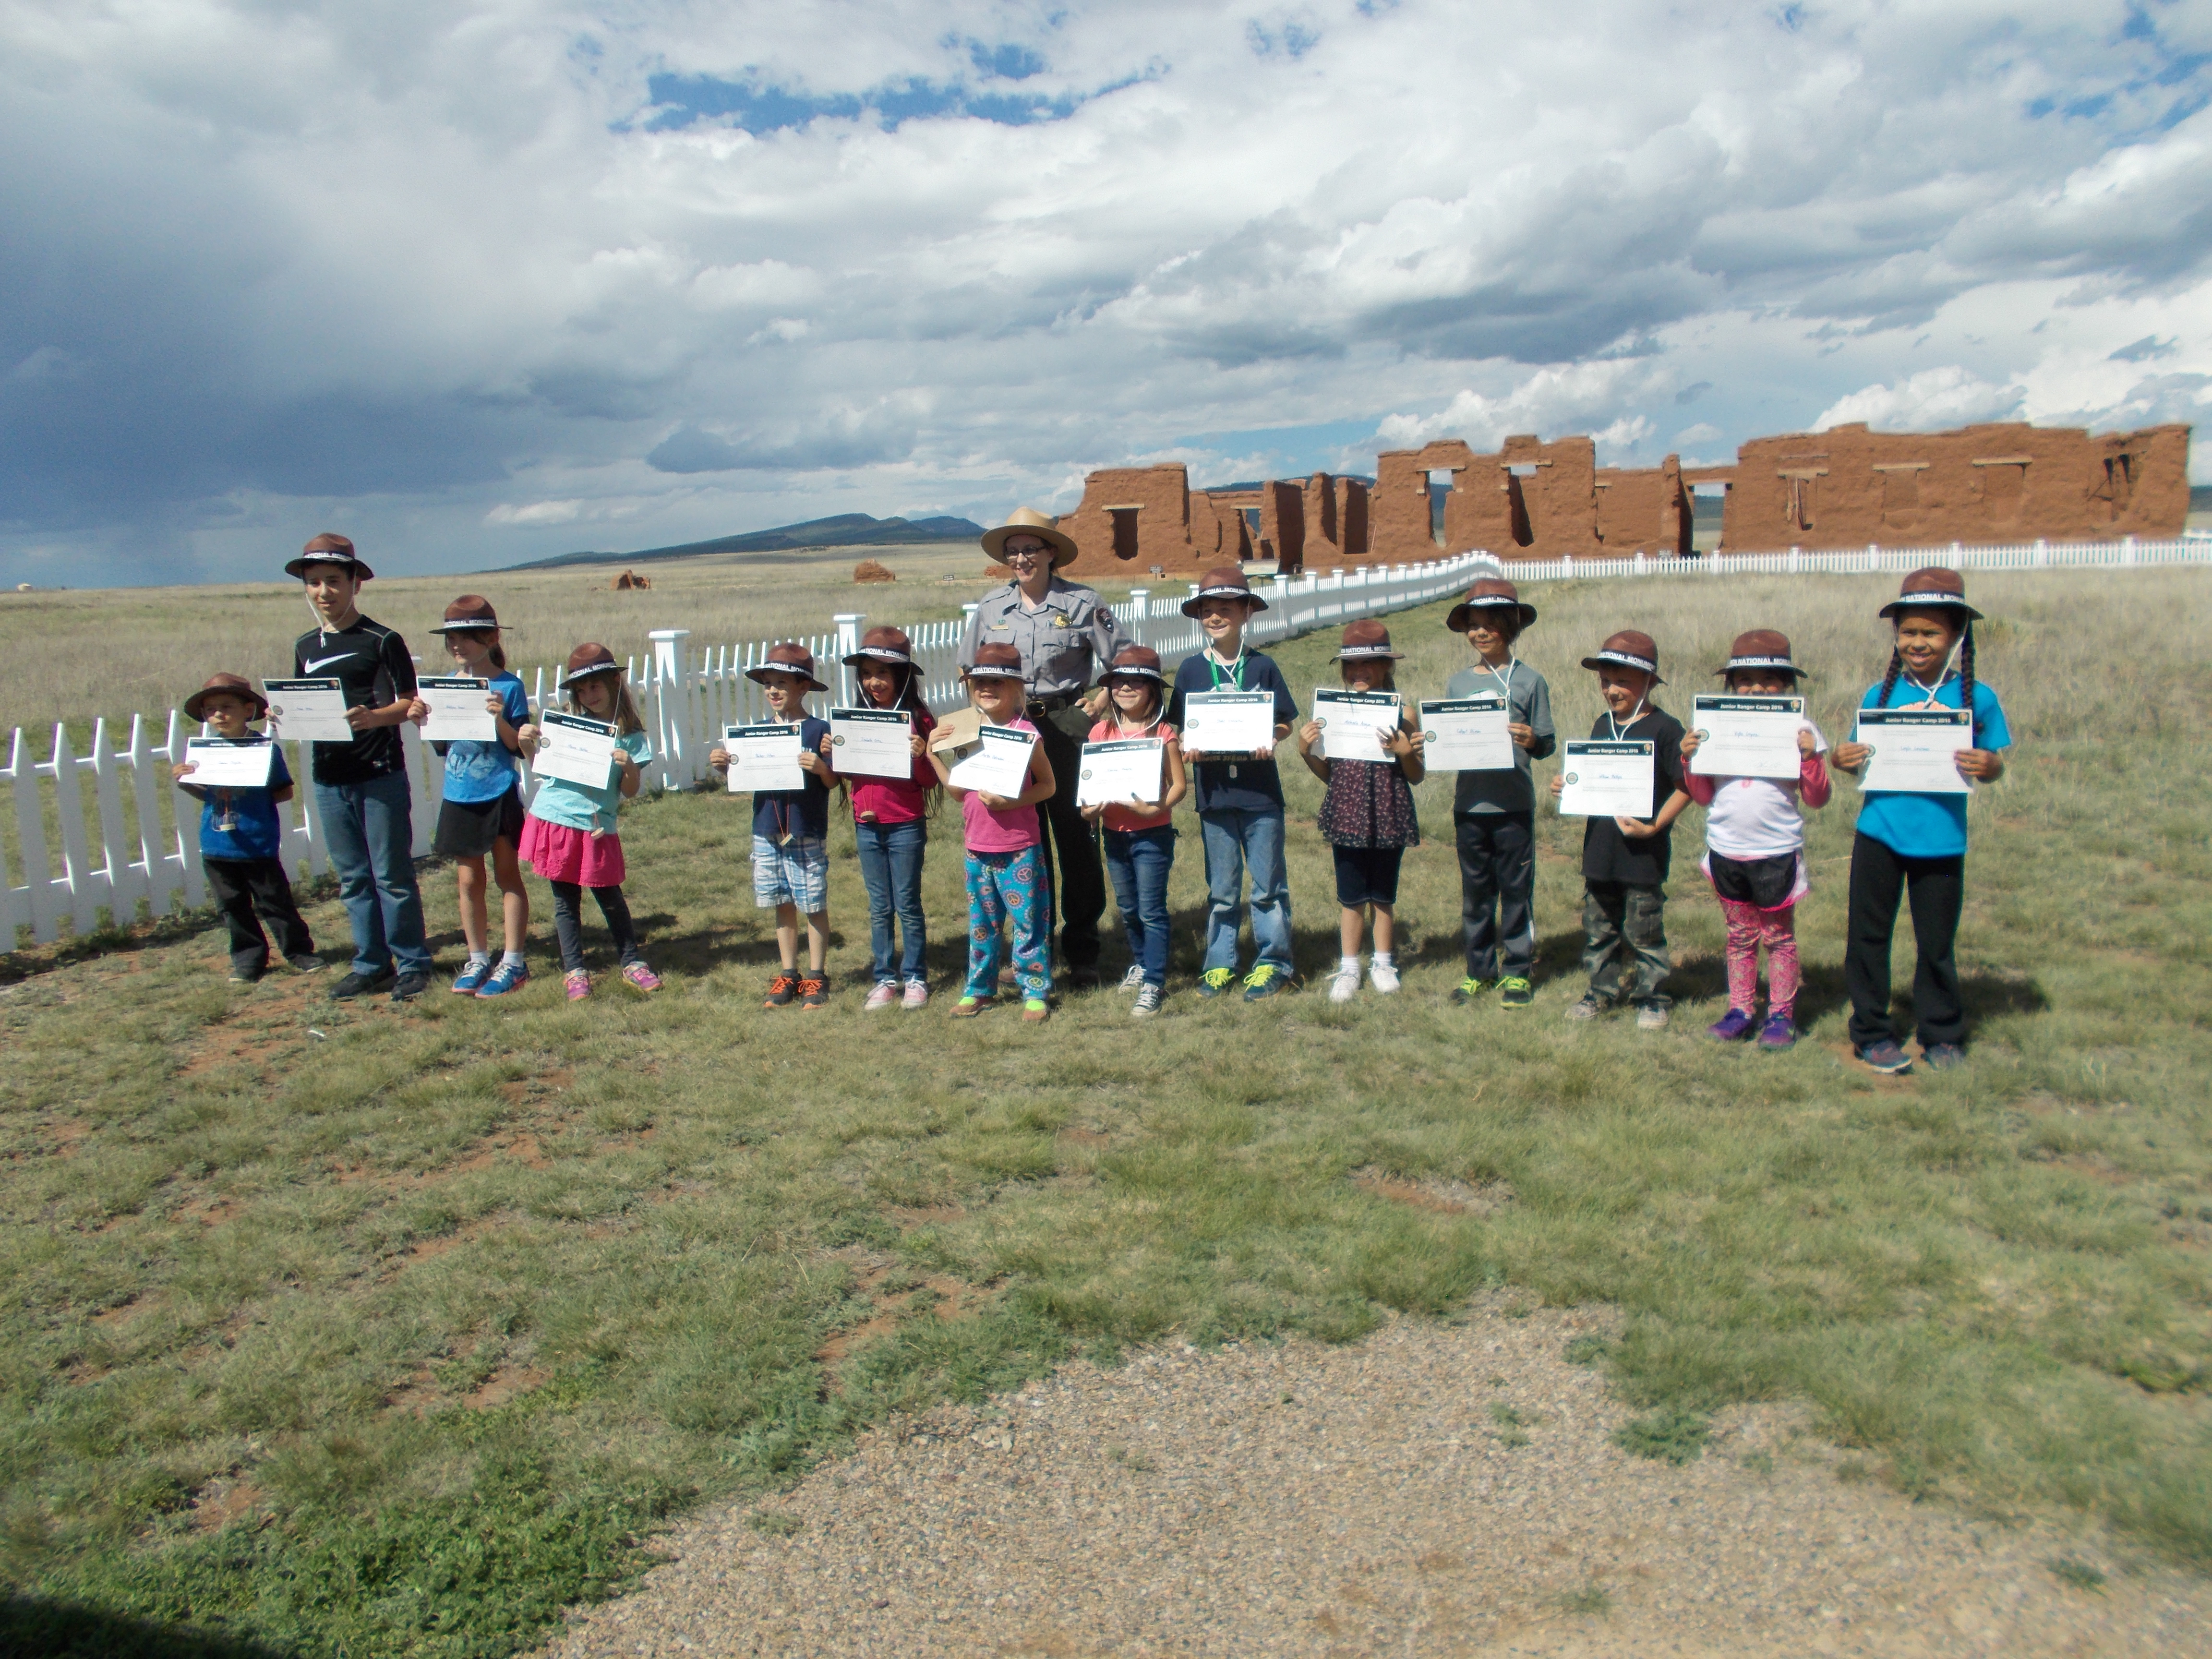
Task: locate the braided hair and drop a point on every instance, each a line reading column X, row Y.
column 1965, row 672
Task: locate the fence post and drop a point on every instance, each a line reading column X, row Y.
column 122, row 888
column 31, row 844
column 2042, row 552
column 1133, row 619
column 676, row 747
column 848, row 640
column 68, row 812
column 2128, row 551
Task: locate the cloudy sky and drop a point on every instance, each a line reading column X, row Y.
column 479, row 281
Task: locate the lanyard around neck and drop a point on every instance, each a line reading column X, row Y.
column 1634, row 715
column 1235, row 669
column 1506, row 678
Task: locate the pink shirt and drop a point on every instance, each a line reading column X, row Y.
column 1117, row 817
column 898, row 800
column 1000, row 832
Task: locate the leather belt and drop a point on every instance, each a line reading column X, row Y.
column 1053, row 705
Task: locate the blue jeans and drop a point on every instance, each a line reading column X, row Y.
column 1237, row 842
column 890, row 864
column 370, row 835
column 1138, row 860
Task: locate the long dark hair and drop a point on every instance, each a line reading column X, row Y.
column 910, row 699
column 1965, row 670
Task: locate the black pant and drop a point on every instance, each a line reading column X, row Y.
column 249, row 891
column 1496, row 884
column 568, row 923
column 1071, row 847
column 1937, row 891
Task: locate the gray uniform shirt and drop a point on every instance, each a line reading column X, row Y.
column 1066, row 644
column 1528, row 702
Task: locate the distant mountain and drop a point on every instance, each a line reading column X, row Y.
column 846, row 528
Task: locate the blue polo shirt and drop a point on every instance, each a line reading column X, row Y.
column 1918, row 826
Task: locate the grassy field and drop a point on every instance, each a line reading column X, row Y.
column 373, row 1331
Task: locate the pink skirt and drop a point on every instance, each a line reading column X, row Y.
column 560, row 853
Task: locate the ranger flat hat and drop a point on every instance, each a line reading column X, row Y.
column 587, row 660
column 787, row 658
column 884, row 644
column 1761, row 647
column 1365, row 642
column 995, row 662
column 330, row 548
column 1223, row 583
column 1932, row 588
column 1628, row 649
column 1489, row 593
column 1135, row 662
column 467, row 615
column 232, row 684
column 1027, row 521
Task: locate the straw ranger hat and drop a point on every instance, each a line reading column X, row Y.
column 1628, row 649
column 330, row 548
column 1223, row 583
column 788, row 658
column 1027, row 521
column 196, row 704
column 1932, row 588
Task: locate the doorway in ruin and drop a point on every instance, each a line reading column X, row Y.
column 2120, row 472
column 1520, row 522
column 1125, row 533
column 1440, row 489
column 2005, row 482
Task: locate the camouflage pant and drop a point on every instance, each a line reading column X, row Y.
column 1623, row 924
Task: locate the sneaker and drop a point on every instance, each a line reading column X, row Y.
column 1650, row 1016
column 886, row 995
column 1149, row 999
column 1383, row 976
column 577, row 983
column 813, row 992
column 781, row 989
column 306, row 963
column 1885, row 1057
column 1733, row 1026
column 1264, row 980
column 969, row 1007
column 642, row 977
column 1780, row 1031
column 1343, row 983
column 1035, row 1009
column 465, row 982
column 1515, row 992
column 1469, row 991
column 916, row 995
column 356, row 984
column 1214, row 980
column 507, row 976
column 1590, row 1007
column 408, row 987
column 1133, row 979
column 1943, row 1056
column 246, row 976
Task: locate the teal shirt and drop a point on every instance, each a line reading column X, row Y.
column 1917, row 826
column 573, row 806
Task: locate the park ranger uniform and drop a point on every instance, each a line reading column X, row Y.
column 1066, row 644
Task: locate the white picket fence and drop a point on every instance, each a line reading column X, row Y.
column 146, row 853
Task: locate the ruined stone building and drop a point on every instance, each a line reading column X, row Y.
column 1846, row 487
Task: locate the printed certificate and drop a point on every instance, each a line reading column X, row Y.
column 1466, row 734
column 218, row 763
column 1351, row 723
column 307, row 711
column 1228, row 722
column 1746, row 736
column 1609, row 778
column 763, row 757
column 574, row 749
column 1916, row 751
column 1126, row 768
column 871, row 743
column 1000, row 766
column 458, row 714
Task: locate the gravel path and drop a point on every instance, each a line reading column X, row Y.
column 1366, row 1500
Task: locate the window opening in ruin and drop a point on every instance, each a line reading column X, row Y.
column 1901, row 488
column 1440, row 489
column 2004, row 479
column 2119, row 481
column 1519, row 524
column 1797, row 494
column 1125, row 532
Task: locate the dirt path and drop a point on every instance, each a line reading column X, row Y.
column 1371, row 1500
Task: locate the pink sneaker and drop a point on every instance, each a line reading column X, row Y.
column 883, row 996
column 641, row 976
column 917, row 995
column 579, row 984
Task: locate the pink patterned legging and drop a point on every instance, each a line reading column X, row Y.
column 1749, row 927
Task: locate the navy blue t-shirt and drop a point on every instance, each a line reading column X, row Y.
column 258, row 834
column 1257, row 786
column 803, row 811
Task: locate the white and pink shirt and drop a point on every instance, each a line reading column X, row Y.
column 1759, row 818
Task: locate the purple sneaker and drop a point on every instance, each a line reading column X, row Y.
column 1732, row 1027
column 1780, row 1031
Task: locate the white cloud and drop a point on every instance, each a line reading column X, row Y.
column 535, row 513
column 1933, row 397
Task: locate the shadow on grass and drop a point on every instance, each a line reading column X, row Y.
column 33, row 1626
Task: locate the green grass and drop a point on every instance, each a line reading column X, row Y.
column 351, row 1331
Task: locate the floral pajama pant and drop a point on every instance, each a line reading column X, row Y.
column 1003, row 888
column 1749, row 927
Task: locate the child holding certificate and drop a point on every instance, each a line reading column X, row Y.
column 568, row 837
column 1624, row 857
column 1755, row 842
column 791, row 832
column 1912, row 843
column 1140, row 833
column 1005, row 864
column 1494, row 811
column 482, row 815
column 887, row 827
column 239, row 835
column 1367, row 814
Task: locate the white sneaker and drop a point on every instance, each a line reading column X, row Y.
column 1134, row 979
column 1149, row 998
column 1343, row 983
column 1383, row 976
